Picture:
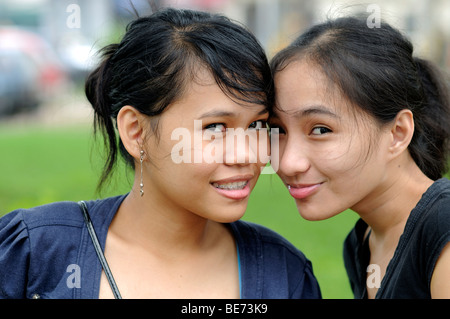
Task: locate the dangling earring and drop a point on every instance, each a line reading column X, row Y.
column 142, row 177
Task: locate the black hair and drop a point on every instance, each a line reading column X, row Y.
column 159, row 55
column 376, row 70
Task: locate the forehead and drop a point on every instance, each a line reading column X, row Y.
column 302, row 86
column 203, row 94
column 302, row 90
column 300, row 82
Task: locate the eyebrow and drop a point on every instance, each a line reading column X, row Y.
column 312, row 110
column 219, row 113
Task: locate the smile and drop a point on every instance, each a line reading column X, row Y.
column 237, row 187
column 302, row 191
column 231, row 186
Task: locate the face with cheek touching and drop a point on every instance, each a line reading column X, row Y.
column 327, row 159
column 193, row 166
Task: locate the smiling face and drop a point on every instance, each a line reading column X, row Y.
column 329, row 160
column 215, row 189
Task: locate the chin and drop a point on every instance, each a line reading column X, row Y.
column 312, row 217
column 226, row 216
column 314, row 214
column 225, row 219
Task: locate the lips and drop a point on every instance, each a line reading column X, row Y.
column 303, row 191
column 234, row 188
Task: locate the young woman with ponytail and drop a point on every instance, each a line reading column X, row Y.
column 365, row 125
column 177, row 233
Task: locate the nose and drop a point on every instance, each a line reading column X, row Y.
column 293, row 157
column 241, row 147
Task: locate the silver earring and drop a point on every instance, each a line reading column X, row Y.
column 142, row 178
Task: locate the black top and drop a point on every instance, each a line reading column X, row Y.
column 408, row 274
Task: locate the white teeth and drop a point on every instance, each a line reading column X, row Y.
column 231, row 186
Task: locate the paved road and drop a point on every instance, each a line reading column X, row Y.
column 66, row 109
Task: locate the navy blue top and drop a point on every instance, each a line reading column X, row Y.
column 44, row 248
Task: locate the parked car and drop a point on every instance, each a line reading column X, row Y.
column 30, row 71
column 18, row 83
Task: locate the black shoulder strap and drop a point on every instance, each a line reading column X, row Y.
column 98, row 250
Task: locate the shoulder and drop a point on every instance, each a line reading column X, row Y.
column 436, row 211
column 23, row 221
column 431, row 231
column 38, row 244
column 29, row 239
column 64, row 213
column 51, row 221
column 49, row 214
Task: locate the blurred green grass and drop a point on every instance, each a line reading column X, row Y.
column 46, row 164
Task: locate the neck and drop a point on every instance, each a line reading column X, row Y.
column 159, row 227
column 388, row 207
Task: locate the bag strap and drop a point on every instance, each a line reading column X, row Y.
column 98, row 250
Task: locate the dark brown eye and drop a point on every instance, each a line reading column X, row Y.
column 320, row 130
column 216, row 127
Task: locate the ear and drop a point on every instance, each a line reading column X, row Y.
column 130, row 123
column 402, row 130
